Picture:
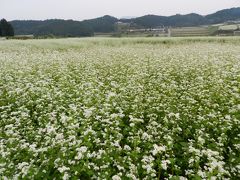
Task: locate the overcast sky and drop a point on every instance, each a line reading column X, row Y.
column 86, row 9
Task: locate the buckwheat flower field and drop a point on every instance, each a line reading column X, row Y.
column 141, row 108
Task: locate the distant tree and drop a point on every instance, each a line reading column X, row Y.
column 6, row 28
column 10, row 30
column 64, row 28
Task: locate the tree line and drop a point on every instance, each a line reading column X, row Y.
column 6, row 28
column 65, row 28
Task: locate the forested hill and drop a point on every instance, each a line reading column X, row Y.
column 61, row 27
column 188, row 19
column 106, row 24
column 55, row 27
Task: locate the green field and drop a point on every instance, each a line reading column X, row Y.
column 229, row 27
column 190, row 31
column 120, row 108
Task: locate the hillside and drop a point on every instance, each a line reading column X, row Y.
column 52, row 27
column 106, row 23
column 150, row 21
column 103, row 24
column 224, row 15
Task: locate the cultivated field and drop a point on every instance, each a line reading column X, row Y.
column 140, row 108
column 190, row 31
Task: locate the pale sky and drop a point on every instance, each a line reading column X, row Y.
column 87, row 9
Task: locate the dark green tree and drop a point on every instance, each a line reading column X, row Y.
column 6, row 28
column 10, row 30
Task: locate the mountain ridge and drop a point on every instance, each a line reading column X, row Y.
column 106, row 24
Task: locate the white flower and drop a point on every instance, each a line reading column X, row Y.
column 33, row 147
column 116, row 177
column 63, row 169
column 21, row 165
column 66, row 176
column 50, row 129
column 182, row 178
column 63, row 118
column 191, row 161
column 132, row 124
column 59, row 136
column 146, row 136
column 201, row 140
column 213, row 178
column 164, row 164
column 127, row 148
column 228, row 117
column 82, row 149
column 81, row 152
column 135, row 120
column 131, row 176
column 111, row 94
column 201, row 174
column 238, row 106
column 87, row 113
column 158, row 149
